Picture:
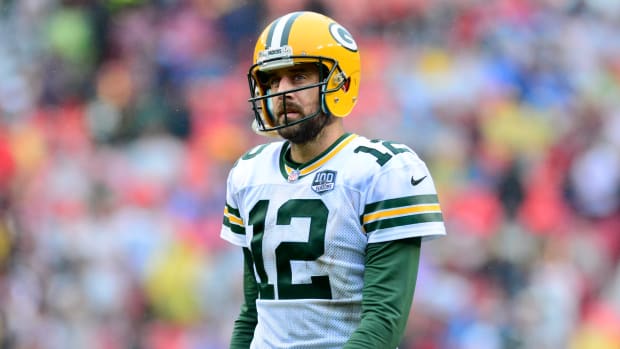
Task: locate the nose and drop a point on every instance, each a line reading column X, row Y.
column 285, row 83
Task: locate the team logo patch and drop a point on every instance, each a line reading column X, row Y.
column 324, row 181
column 342, row 36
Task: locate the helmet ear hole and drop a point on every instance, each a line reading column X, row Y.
column 347, row 83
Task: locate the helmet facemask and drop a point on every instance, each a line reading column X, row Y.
column 262, row 98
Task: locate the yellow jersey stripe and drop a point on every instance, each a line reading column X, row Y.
column 232, row 218
column 235, row 220
column 395, row 212
column 325, row 158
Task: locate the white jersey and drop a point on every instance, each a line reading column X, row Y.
column 308, row 227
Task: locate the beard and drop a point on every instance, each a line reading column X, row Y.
column 304, row 131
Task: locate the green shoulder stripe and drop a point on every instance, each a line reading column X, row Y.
column 232, row 220
column 401, row 202
column 403, row 220
column 233, row 211
column 237, row 229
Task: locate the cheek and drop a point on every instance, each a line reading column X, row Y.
column 310, row 101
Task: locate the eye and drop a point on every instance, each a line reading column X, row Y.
column 300, row 77
column 273, row 81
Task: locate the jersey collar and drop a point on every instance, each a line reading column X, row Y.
column 287, row 167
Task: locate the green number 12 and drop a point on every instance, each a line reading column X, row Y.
column 287, row 251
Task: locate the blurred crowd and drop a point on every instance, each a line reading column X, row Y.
column 119, row 121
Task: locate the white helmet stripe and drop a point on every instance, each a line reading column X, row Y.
column 279, row 32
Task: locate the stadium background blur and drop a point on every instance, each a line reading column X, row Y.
column 121, row 118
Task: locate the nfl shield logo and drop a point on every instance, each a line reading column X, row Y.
column 324, row 181
column 293, row 176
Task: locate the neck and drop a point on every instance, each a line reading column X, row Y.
column 305, row 152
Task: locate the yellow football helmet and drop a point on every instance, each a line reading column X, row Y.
column 305, row 37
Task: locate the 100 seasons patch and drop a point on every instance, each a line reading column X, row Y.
column 324, row 181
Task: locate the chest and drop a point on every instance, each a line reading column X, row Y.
column 301, row 239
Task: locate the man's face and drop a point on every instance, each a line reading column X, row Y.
column 294, row 106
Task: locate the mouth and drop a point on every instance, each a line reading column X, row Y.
column 289, row 115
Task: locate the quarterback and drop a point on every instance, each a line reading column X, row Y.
column 330, row 222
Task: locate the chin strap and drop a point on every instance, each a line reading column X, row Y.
column 256, row 129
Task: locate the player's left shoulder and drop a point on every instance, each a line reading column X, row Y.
column 382, row 154
column 366, row 161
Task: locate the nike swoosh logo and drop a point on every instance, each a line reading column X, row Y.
column 416, row 181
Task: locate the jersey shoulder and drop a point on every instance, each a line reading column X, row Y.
column 399, row 195
column 258, row 155
column 366, row 162
column 380, row 154
column 260, row 161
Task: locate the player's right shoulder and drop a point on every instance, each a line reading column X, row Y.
column 256, row 164
column 259, row 154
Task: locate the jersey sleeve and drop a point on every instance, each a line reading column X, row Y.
column 233, row 227
column 391, row 270
column 402, row 202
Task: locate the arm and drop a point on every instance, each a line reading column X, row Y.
column 243, row 331
column 389, row 283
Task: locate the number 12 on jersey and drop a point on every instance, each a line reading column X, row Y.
column 287, row 251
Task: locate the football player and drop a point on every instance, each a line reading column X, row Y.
column 330, row 222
